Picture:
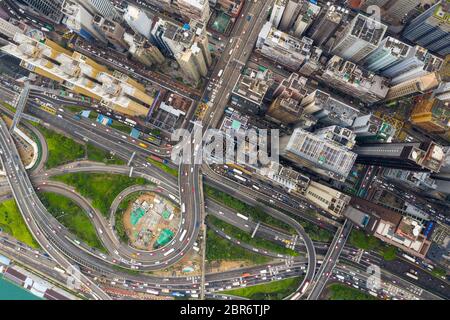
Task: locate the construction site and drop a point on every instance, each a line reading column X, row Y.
column 151, row 221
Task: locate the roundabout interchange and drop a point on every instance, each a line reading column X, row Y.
column 96, row 271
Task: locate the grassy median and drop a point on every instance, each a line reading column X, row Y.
column 11, row 222
column 101, row 188
column 100, row 155
column 72, row 217
column 164, row 167
column 255, row 213
column 274, row 290
column 243, row 236
column 338, row 291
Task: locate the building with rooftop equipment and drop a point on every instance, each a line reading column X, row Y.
column 231, row 7
column 370, row 128
column 308, row 12
column 349, row 78
column 286, row 108
column 283, row 48
column 389, row 53
column 342, row 136
column 327, row 23
column 143, row 51
column 359, row 38
column 78, row 73
column 419, row 85
column 392, row 11
column 331, row 200
column 250, row 89
column 414, row 156
column 431, row 115
column 138, row 20
column 47, row 9
column 322, row 156
column 194, row 10
column 329, row 110
column 8, row 29
column 105, row 8
column 112, row 31
column 277, row 12
column 417, row 181
column 81, row 21
column 431, row 29
column 289, row 179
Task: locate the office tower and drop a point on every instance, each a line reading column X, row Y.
column 414, row 156
column 391, row 11
column 277, row 12
column 370, row 128
column 47, row 9
column 289, row 14
column 329, row 110
column 389, row 53
column 308, row 13
column 347, row 77
column 112, row 31
column 342, row 136
column 250, row 89
column 187, row 44
column 8, row 30
column 80, row 21
column 82, row 75
column 326, row 24
column 138, row 20
column 231, row 7
column 417, row 85
column 322, row 156
column 431, row 29
column 417, row 181
column 442, row 92
column 194, row 10
column 102, row 7
column 142, row 50
column 286, row 108
column 288, row 178
column 359, row 38
column 283, row 48
column 313, row 63
column 431, row 115
column 326, row 198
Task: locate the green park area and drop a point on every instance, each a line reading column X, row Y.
column 164, row 167
column 256, row 213
column 219, row 249
column 61, row 149
column 274, row 290
column 100, row 155
column 243, row 236
column 315, row 232
column 101, row 188
column 11, row 222
column 72, row 217
column 338, row 291
column 121, row 127
column 368, row 242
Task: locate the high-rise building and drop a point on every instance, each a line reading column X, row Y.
column 326, row 24
column 102, row 7
column 418, row 181
column 431, row 115
column 48, row 9
column 138, row 20
column 342, row 136
column 359, row 38
column 389, row 53
column 349, row 78
column 370, row 128
column 286, row 108
column 250, row 90
column 328, row 110
column 326, row 198
column 288, row 178
column 231, row 7
column 431, row 29
column 143, row 51
column 391, row 11
column 8, row 30
column 418, row 85
column 414, row 156
column 78, row 73
column 308, row 13
column 320, row 155
column 80, row 21
column 284, row 48
column 277, row 12
column 112, row 31
column 194, row 10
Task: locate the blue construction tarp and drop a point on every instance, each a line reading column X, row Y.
column 135, row 133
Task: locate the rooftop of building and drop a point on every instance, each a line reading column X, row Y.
column 253, row 84
column 397, row 48
column 368, row 29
